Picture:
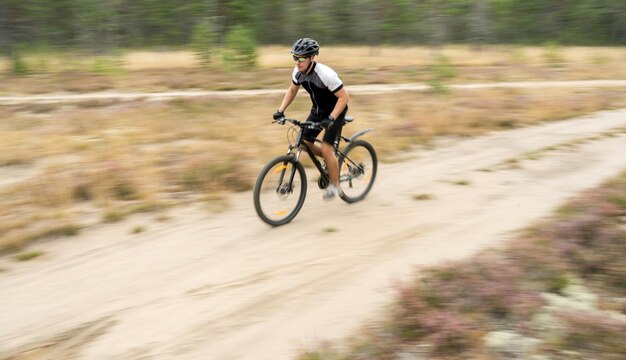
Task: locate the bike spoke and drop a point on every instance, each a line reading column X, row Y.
column 358, row 171
column 279, row 191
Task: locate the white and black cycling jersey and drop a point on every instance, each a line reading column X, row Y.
column 321, row 83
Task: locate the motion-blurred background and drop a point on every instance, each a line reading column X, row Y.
column 100, row 153
column 107, row 26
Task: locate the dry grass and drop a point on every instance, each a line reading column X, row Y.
column 143, row 60
column 171, row 70
column 405, row 119
column 104, row 160
column 461, row 55
column 273, row 57
column 83, row 165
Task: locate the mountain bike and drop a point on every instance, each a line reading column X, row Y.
column 280, row 188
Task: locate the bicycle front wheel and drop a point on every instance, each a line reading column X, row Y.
column 357, row 170
column 280, row 190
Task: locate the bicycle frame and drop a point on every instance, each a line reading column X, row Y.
column 300, row 144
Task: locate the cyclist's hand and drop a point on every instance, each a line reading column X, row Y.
column 278, row 115
column 328, row 123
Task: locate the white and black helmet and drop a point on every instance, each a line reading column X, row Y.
column 305, row 47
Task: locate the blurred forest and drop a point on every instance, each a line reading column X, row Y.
column 100, row 26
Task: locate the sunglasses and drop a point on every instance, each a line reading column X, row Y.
column 299, row 59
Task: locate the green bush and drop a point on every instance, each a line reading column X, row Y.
column 240, row 51
column 441, row 71
column 553, row 55
column 20, row 68
column 203, row 42
column 107, row 65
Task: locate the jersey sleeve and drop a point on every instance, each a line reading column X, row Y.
column 330, row 78
column 294, row 76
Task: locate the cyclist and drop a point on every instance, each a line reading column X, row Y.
column 330, row 104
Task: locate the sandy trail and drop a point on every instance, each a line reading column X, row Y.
column 227, row 286
column 354, row 89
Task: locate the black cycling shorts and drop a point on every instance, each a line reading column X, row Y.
column 330, row 136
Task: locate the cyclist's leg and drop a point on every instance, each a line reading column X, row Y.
column 309, row 135
column 315, row 147
column 328, row 152
column 328, row 149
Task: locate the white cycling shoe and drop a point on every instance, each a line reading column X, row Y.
column 331, row 192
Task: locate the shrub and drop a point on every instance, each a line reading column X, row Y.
column 203, row 42
column 448, row 308
column 137, row 229
column 441, row 71
column 594, row 335
column 489, row 285
column 553, row 55
column 113, row 216
column 207, row 174
column 241, row 48
column 111, row 180
column 449, row 332
column 423, row 318
column 82, row 192
column 593, row 245
column 107, row 65
column 19, row 65
column 422, row 197
column 29, row 255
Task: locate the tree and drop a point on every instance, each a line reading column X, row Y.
column 203, row 42
column 437, row 20
column 480, row 24
column 397, row 21
column 102, row 25
column 6, row 35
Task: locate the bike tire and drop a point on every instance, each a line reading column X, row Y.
column 275, row 200
column 358, row 165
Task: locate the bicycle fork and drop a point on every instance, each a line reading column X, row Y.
column 288, row 189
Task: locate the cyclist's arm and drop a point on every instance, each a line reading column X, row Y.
column 342, row 102
column 289, row 96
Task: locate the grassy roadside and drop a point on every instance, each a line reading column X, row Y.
column 65, row 167
column 556, row 292
column 174, row 70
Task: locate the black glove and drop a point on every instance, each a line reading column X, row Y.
column 278, row 115
column 328, row 122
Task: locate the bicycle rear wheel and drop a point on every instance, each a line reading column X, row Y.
column 357, row 170
column 280, row 190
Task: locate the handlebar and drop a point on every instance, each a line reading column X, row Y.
column 303, row 124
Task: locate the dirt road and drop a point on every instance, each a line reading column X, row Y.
column 354, row 89
column 226, row 286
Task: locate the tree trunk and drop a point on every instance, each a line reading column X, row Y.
column 480, row 28
column 6, row 37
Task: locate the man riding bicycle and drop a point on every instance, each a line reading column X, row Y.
column 330, row 104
